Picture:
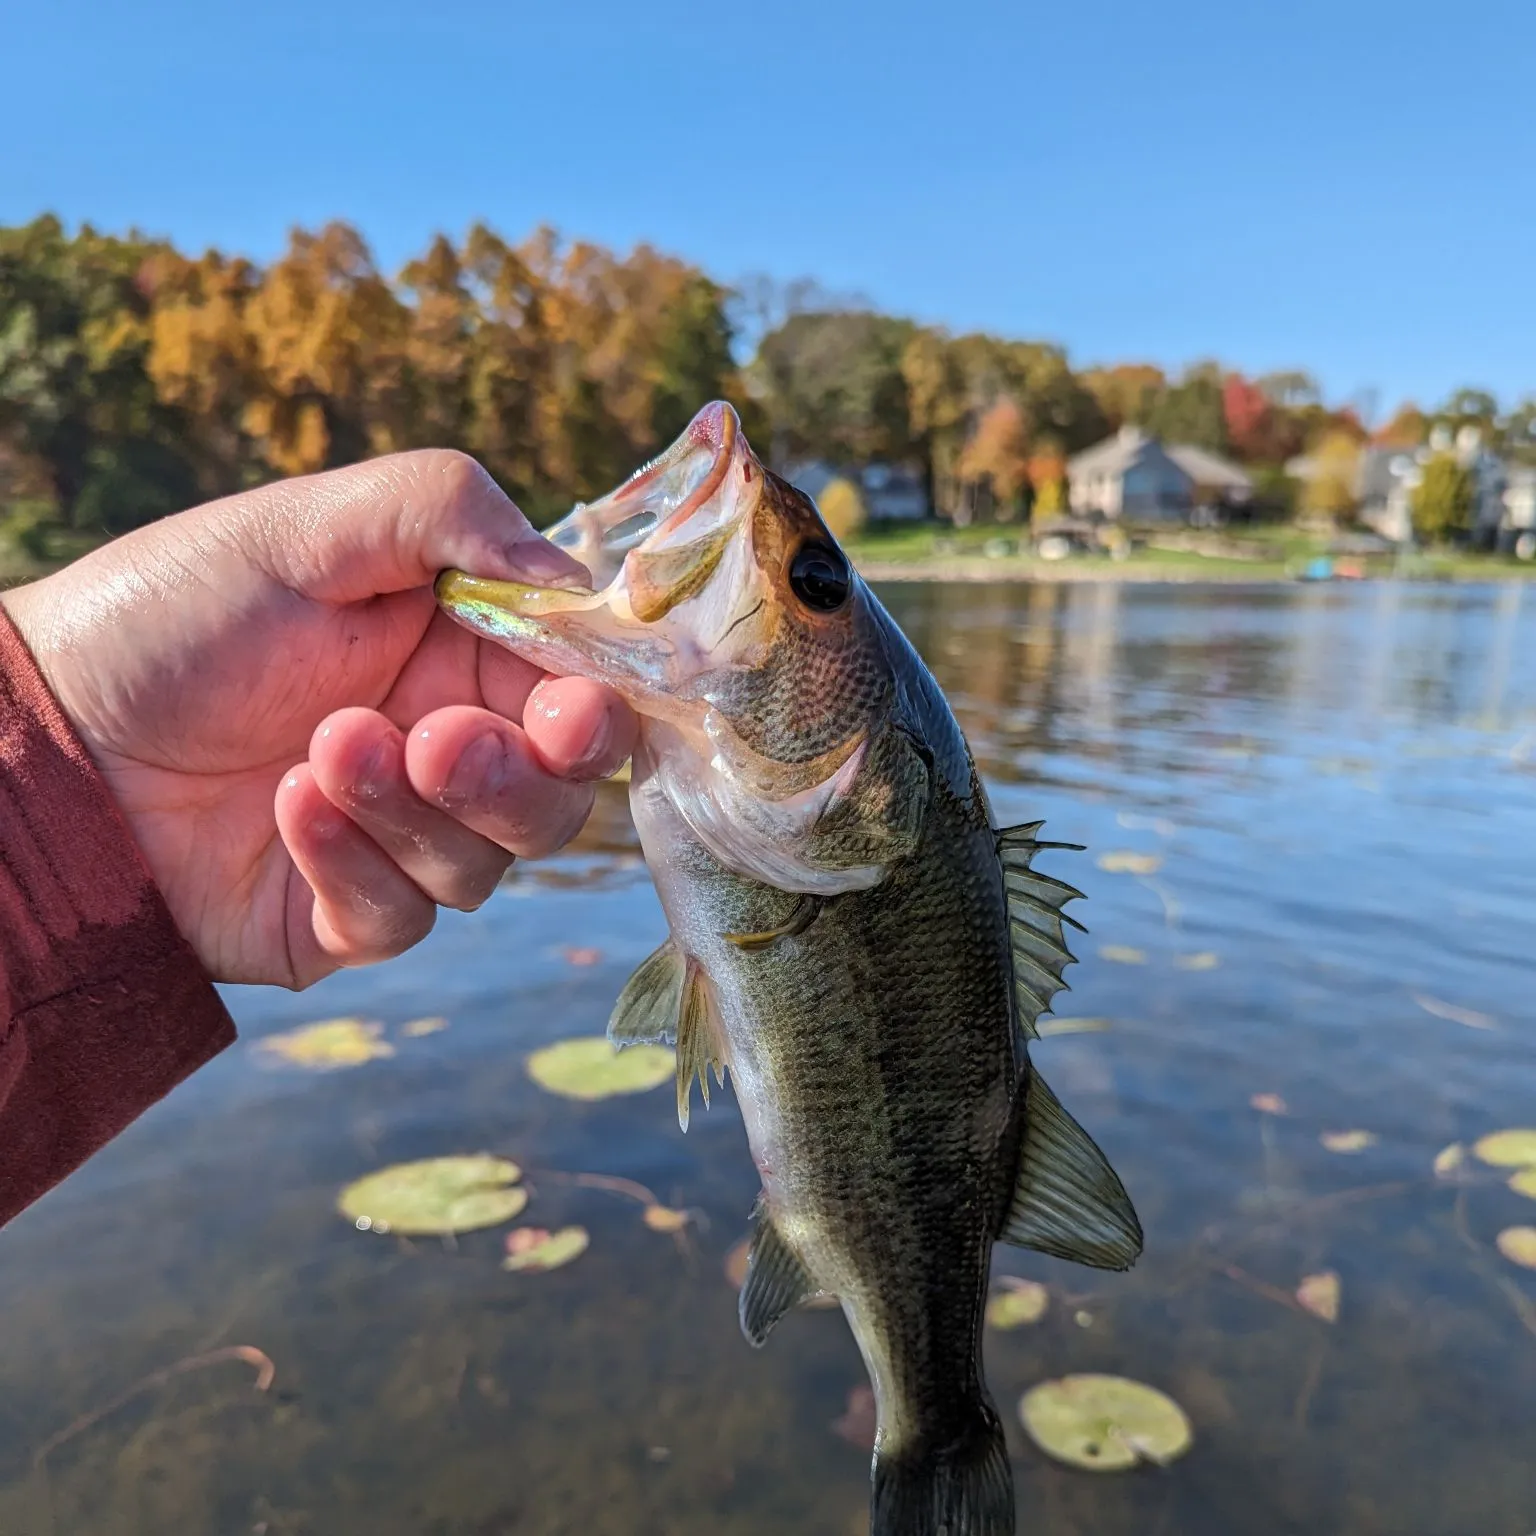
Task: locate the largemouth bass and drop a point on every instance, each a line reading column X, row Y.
column 850, row 937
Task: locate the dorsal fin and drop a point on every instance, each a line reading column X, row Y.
column 777, row 1280
column 1035, row 919
column 1067, row 1200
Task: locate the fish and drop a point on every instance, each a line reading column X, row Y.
column 850, row 937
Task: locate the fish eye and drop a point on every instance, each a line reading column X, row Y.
column 819, row 577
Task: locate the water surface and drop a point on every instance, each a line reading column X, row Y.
column 1340, row 784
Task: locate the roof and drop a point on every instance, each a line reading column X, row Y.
column 1206, row 468
column 1113, row 456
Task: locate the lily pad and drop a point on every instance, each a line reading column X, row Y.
column 435, row 1196
column 1017, row 1303
column 418, row 1028
column 329, row 1045
column 535, row 1248
column 1319, row 1294
column 1348, row 1141
column 736, row 1272
column 1449, row 1159
column 589, row 1068
column 1205, row 960
column 1269, row 1104
column 1125, row 862
column 1104, row 1423
column 1123, row 954
column 582, row 955
column 1508, row 1149
column 1518, row 1245
column 1524, row 1183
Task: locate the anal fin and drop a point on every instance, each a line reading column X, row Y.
column 777, row 1281
column 648, row 1007
column 1067, row 1200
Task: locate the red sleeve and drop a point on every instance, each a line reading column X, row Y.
column 104, row 1007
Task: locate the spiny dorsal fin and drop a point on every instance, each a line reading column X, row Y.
column 1035, row 919
column 698, row 1047
column 776, row 1281
column 647, row 1009
column 1067, row 1200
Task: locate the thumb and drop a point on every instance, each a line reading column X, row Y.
column 392, row 524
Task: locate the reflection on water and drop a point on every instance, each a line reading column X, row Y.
column 1334, row 793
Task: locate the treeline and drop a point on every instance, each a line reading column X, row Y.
column 135, row 380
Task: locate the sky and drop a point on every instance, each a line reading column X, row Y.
column 1345, row 187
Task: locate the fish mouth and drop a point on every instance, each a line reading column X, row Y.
column 649, row 545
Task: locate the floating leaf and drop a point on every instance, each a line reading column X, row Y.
column 590, row 1068
column 417, row 1028
column 1083, row 1319
column 1071, row 1027
column 1524, row 1183
column 1518, row 1245
column 329, row 1045
column 435, row 1196
column 1126, row 863
column 1348, row 1141
column 582, row 956
column 534, row 1248
column 1122, row 954
column 662, row 1218
column 1508, row 1149
column 1449, row 1159
column 1269, row 1104
column 1205, row 960
column 1104, row 1423
column 1018, row 1303
column 1319, row 1294
column 736, row 1263
column 1457, row 1015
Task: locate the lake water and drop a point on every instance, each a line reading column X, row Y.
column 1340, row 786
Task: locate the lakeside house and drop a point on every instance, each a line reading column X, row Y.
column 1132, row 476
column 891, row 492
column 1504, row 496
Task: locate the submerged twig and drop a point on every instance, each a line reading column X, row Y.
column 265, row 1372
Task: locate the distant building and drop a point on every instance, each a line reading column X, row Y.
column 894, row 493
column 1388, row 477
column 1133, row 476
column 1519, row 523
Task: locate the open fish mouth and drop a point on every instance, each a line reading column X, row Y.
column 649, row 545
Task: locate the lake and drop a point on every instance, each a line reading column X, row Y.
column 1330, row 796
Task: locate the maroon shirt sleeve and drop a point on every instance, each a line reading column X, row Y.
column 104, row 1007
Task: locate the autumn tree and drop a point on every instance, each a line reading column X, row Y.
column 1407, row 428
column 1192, row 411
column 1332, row 488
column 996, row 456
column 1443, row 500
column 1126, row 393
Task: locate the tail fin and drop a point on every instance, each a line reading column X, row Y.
column 963, row 1489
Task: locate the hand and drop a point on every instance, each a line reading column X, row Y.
column 311, row 756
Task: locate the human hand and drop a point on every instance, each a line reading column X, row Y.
column 310, row 755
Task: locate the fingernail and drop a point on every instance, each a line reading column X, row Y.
column 599, row 747
column 480, row 771
column 538, row 561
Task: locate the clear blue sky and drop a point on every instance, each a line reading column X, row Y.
column 1348, row 187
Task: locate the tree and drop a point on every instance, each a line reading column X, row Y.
column 1193, row 412
column 997, row 455
column 1443, row 500
column 1126, row 393
column 1407, row 428
column 1332, row 489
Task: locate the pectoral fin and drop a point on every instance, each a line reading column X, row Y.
column 648, row 1007
column 776, row 1282
column 1067, row 1200
column 1035, row 919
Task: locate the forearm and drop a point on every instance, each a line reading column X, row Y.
column 104, row 1007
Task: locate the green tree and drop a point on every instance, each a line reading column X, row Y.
column 1192, row 411
column 1443, row 500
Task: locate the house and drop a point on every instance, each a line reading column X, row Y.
column 1385, row 483
column 1388, row 478
column 894, row 493
column 1218, row 481
column 1132, row 476
column 1519, row 526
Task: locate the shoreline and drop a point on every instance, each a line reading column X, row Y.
column 982, row 569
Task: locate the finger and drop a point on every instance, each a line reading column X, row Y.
column 364, row 908
column 580, row 729
column 358, row 760
column 452, row 665
column 483, row 771
column 390, row 525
